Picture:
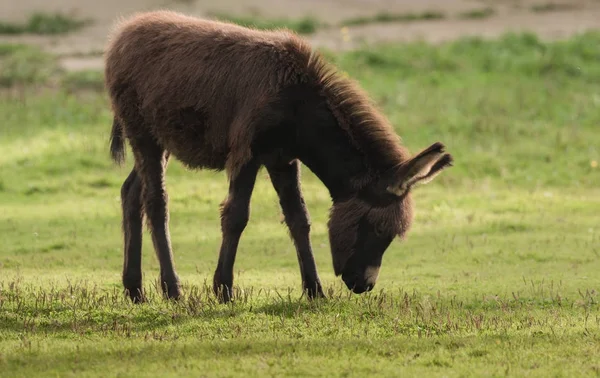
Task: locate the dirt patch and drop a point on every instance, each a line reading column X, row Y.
column 549, row 19
column 550, row 26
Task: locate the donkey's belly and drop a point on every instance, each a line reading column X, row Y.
column 201, row 156
column 189, row 138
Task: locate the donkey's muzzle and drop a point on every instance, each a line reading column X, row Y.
column 357, row 284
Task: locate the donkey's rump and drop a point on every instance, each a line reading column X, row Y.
column 199, row 86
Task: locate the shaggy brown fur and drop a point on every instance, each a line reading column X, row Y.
column 224, row 97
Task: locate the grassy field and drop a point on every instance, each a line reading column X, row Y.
column 499, row 275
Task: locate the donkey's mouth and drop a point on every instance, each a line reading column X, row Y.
column 356, row 284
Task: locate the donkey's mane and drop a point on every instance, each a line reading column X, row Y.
column 368, row 129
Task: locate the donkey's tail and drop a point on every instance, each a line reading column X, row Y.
column 117, row 142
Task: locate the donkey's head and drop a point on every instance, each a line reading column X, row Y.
column 362, row 227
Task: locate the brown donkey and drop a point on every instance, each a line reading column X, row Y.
column 223, row 97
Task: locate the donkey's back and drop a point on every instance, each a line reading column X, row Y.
column 198, row 86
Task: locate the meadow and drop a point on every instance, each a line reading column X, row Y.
column 498, row 276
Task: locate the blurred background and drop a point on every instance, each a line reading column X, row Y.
column 79, row 34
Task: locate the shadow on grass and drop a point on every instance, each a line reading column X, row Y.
column 81, row 310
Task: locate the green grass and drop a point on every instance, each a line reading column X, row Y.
column 305, row 25
column 43, row 23
column 499, row 275
column 384, row 17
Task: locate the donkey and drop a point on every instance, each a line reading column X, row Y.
column 224, row 97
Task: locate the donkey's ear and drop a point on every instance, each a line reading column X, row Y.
column 420, row 169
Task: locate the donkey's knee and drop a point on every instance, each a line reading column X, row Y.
column 131, row 206
column 234, row 222
column 234, row 217
column 127, row 184
column 298, row 222
column 155, row 204
column 295, row 213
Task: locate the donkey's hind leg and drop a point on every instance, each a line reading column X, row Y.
column 131, row 202
column 235, row 212
column 151, row 162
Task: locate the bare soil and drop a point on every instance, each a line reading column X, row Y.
column 83, row 49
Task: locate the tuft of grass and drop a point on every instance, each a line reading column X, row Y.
column 305, row 25
column 386, row 17
column 478, row 13
column 553, row 7
column 44, row 24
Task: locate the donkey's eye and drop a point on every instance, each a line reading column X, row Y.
column 379, row 230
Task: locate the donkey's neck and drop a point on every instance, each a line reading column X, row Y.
column 326, row 147
column 327, row 150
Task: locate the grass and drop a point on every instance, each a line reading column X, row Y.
column 305, row 25
column 497, row 277
column 44, row 24
column 22, row 65
column 385, row 17
column 82, row 80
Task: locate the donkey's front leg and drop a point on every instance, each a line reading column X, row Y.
column 286, row 181
column 235, row 212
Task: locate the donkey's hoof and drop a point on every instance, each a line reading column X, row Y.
column 223, row 293
column 133, row 288
column 223, row 286
column 171, row 290
column 136, row 294
column 314, row 291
